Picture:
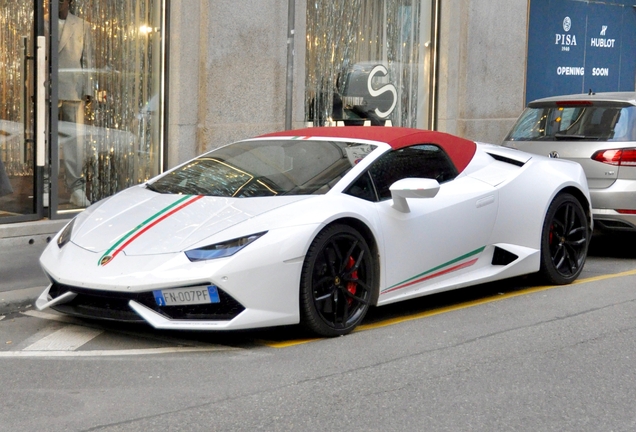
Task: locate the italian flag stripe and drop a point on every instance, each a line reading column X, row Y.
column 447, row 267
column 153, row 220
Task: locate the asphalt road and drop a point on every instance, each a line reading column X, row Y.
column 509, row 356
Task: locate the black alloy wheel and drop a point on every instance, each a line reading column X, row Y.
column 336, row 282
column 564, row 241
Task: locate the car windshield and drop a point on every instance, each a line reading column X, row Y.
column 594, row 123
column 265, row 168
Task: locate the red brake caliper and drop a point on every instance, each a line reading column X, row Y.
column 551, row 235
column 351, row 286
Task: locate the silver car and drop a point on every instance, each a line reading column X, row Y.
column 599, row 132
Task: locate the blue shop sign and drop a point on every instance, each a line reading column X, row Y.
column 575, row 46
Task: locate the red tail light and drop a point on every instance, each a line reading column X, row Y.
column 618, row 157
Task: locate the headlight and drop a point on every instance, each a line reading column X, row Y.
column 65, row 236
column 223, row 249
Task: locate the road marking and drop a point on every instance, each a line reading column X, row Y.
column 288, row 343
column 112, row 353
column 68, row 338
column 465, row 305
column 65, row 341
column 154, row 336
column 52, row 317
column 602, row 277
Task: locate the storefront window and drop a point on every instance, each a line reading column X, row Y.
column 368, row 62
column 109, row 87
column 16, row 110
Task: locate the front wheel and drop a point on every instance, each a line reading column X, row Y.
column 564, row 240
column 337, row 281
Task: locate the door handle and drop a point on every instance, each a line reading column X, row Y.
column 40, row 116
column 485, row 201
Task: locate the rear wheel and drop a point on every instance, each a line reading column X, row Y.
column 564, row 241
column 337, row 281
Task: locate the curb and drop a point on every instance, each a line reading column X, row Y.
column 28, row 229
column 37, row 240
column 18, row 300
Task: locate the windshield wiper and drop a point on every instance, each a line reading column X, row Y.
column 534, row 138
column 151, row 187
column 574, row 137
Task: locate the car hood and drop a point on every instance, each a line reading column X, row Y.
column 141, row 222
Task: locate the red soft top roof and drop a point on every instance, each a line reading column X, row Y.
column 460, row 150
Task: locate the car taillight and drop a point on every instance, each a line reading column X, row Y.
column 625, row 211
column 618, row 157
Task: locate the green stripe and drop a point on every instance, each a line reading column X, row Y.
column 446, row 264
column 146, row 222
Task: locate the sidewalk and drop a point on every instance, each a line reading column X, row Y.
column 21, row 278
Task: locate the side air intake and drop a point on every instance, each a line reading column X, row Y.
column 505, row 159
column 502, row 257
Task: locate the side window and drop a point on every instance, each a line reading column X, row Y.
column 601, row 122
column 419, row 161
column 363, row 188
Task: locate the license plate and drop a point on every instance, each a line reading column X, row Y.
column 187, row 296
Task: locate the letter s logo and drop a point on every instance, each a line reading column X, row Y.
column 386, row 88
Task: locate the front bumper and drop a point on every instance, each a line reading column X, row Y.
column 118, row 306
column 258, row 287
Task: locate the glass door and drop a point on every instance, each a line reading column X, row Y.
column 22, row 126
column 107, row 98
column 81, row 102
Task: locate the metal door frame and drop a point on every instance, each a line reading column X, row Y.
column 35, row 60
column 53, row 146
column 53, row 159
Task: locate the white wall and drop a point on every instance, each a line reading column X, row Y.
column 227, row 73
column 482, row 67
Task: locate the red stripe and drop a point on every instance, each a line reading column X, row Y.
column 431, row 276
column 147, row 227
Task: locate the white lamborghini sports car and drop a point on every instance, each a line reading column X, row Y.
column 314, row 226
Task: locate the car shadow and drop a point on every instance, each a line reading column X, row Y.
column 613, row 245
column 604, row 245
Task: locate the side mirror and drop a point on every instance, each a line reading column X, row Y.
column 412, row 188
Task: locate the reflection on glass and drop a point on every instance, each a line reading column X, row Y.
column 109, row 57
column 75, row 61
column 16, row 112
column 268, row 168
column 367, row 60
column 580, row 123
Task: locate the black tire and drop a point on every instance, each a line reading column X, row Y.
column 337, row 282
column 564, row 240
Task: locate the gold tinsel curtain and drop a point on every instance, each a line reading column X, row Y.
column 345, row 40
column 123, row 140
column 16, row 21
column 123, row 144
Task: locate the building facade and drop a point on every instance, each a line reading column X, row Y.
column 168, row 80
column 228, row 81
